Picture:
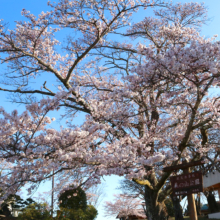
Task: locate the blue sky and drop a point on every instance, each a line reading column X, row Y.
column 10, row 11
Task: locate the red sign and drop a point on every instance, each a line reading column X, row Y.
column 187, row 183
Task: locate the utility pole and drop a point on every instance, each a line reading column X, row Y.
column 52, row 191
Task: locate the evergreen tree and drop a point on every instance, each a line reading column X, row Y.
column 73, row 206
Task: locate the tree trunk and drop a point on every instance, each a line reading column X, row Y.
column 213, row 206
column 5, row 210
column 155, row 210
column 177, row 208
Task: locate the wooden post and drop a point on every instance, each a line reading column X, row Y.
column 191, row 202
column 192, row 207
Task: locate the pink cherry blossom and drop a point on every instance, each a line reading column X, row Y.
column 146, row 106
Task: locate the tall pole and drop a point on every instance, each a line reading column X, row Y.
column 192, row 207
column 52, row 194
column 191, row 202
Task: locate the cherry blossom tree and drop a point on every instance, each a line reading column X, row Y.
column 146, row 106
column 95, row 194
column 124, row 206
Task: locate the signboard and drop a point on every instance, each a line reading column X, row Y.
column 186, row 184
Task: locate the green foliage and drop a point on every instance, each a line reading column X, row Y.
column 73, row 206
column 35, row 211
column 91, row 212
column 73, row 199
column 16, row 202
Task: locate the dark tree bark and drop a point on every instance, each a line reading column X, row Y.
column 5, row 211
column 213, row 206
column 155, row 210
column 177, row 208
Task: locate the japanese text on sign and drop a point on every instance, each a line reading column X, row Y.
column 187, row 183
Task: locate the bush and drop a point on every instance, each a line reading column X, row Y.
column 35, row 211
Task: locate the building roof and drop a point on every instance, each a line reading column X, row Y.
column 137, row 213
